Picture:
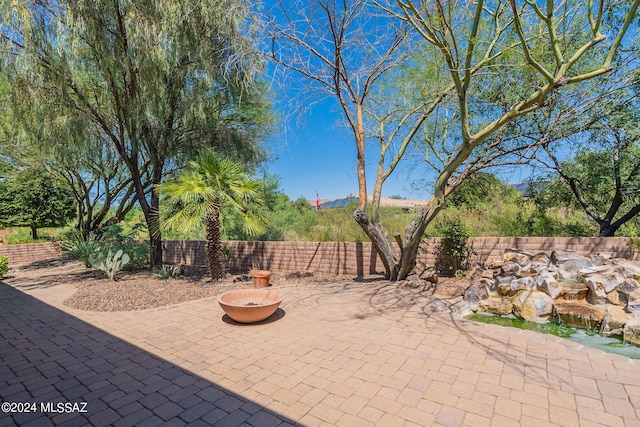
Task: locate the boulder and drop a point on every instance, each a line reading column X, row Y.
column 475, row 293
column 488, row 274
column 601, row 258
column 567, row 274
column 629, row 268
column 499, row 306
column 631, row 332
column 600, row 285
column 429, row 275
column 510, row 269
column 522, row 258
column 597, row 269
column 538, row 268
column 628, row 286
column 541, row 258
column 617, row 298
column 448, row 288
column 503, row 285
column 523, row 284
column 570, row 290
column 568, row 259
column 494, row 263
column 579, row 314
column 548, row 284
column 533, row 306
column 633, row 302
column 613, row 322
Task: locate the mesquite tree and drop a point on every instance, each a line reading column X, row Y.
column 530, row 51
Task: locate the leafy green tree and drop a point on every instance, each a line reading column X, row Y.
column 159, row 80
column 481, row 188
column 199, row 195
column 75, row 154
column 32, row 199
column 605, row 184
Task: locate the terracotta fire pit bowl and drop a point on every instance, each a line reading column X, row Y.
column 249, row 305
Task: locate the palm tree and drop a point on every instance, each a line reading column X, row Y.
column 198, row 195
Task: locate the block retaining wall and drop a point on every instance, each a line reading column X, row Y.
column 21, row 254
column 361, row 258
column 339, row 257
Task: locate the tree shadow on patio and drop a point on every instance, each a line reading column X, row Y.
column 52, row 357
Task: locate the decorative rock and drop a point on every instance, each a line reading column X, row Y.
column 601, row 269
column 631, row 333
column 628, row 286
column 541, row 258
column 614, row 321
column 413, row 278
column 503, row 284
column 537, row 267
column 520, row 257
column 494, row 263
column 567, row 259
column 533, row 306
column 499, row 306
column 549, row 285
column 488, row 274
column 475, row 293
column 523, row 284
column 580, row 314
column 510, row 269
column 633, row 302
column 567, row 274
column 571, row 290
column 601, row 258
column 629, row 268
column 450, row 288
column 600, row 285
column 617, row 298
column 430, row 275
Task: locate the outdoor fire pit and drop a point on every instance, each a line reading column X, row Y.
column 249, row 305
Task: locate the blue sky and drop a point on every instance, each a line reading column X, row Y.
column 314, row 152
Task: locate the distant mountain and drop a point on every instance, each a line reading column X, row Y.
column 384, row 201
column 525, row 188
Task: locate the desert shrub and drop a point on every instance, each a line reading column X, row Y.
column 80, row 248
column 454, row 253
column 168, row 272
column 4, row 266
column 92, row 248
column 114, row 239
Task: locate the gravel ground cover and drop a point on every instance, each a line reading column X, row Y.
column 140, row 290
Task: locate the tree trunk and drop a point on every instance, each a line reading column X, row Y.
column 398, row 266
column 213, row 245
column 34, row 233
column 156, row 251
column 607, row 230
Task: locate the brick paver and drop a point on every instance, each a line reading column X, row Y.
column 355, row 354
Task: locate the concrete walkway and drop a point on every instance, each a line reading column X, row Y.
column 356, row 354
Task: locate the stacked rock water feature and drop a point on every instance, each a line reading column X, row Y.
column 599, row 292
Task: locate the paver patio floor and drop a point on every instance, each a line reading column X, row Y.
column 357, row 354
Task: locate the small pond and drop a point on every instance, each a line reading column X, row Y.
column 585, row 337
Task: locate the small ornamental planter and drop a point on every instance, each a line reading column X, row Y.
column 261, row 278
column 249, row 305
